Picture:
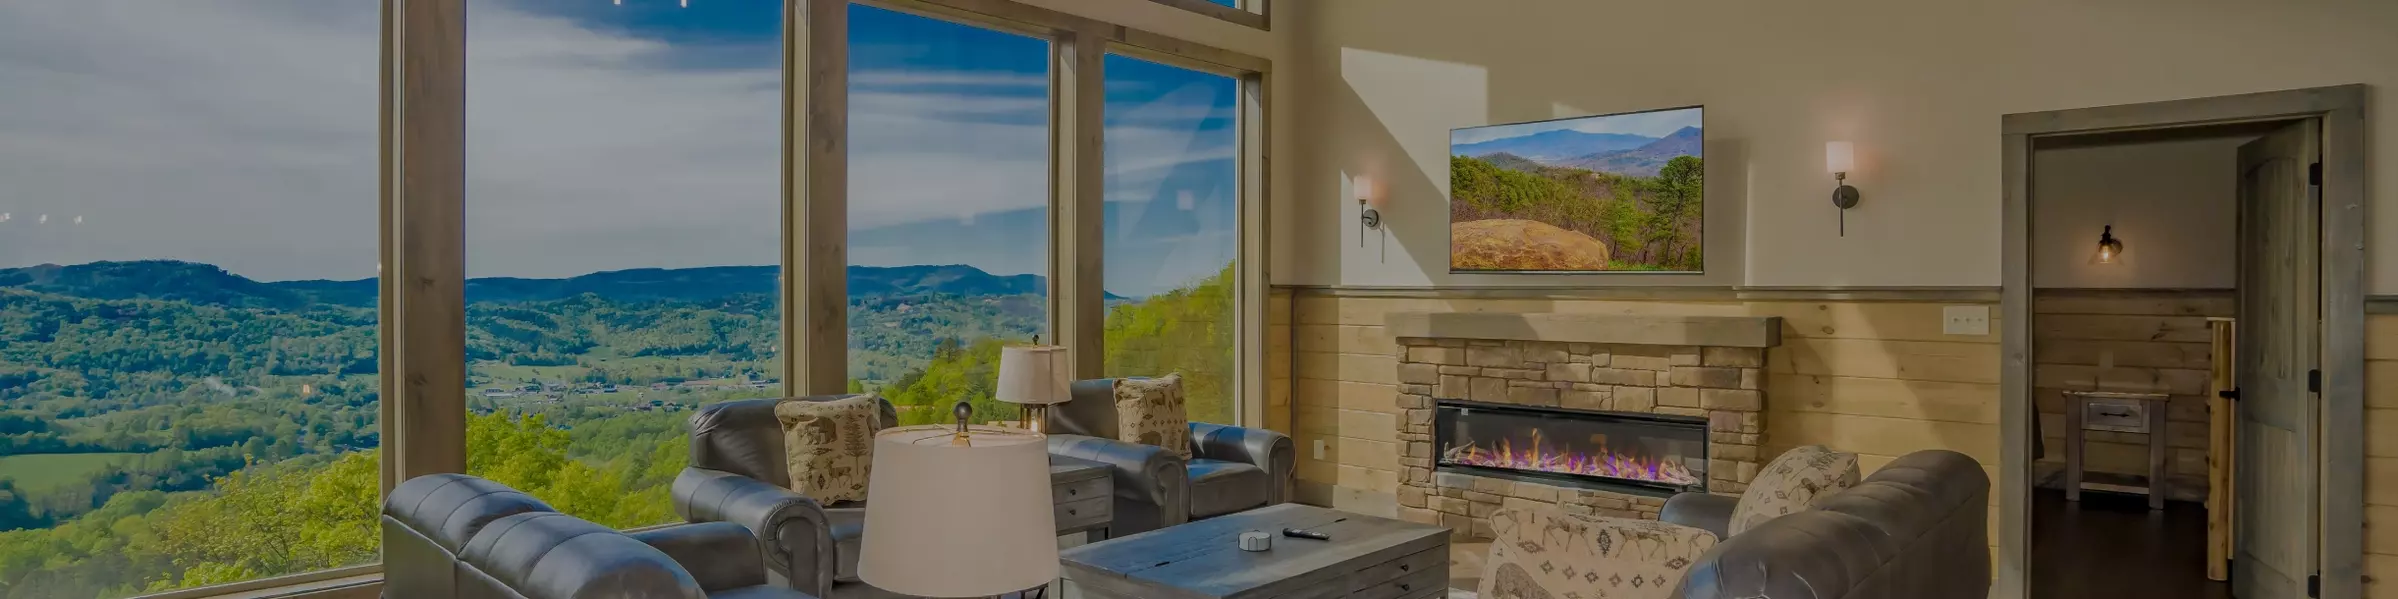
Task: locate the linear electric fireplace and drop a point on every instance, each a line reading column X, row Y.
column 1647, row 453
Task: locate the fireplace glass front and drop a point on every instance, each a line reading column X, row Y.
column 1607, row 450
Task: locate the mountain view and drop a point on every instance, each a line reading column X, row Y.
column 134, row 399
column 1588, row 194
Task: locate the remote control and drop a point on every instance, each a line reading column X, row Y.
column 1305, row 534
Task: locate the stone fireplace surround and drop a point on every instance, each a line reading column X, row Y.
column 1711, row 367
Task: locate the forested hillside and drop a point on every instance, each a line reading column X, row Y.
column 1647, row 223
column 210, row 428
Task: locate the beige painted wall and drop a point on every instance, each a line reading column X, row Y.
column 1918, row 86
column 2174, row 205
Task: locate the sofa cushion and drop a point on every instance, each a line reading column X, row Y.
column 1792, row 483
column 1219, row 487
column 1150, row 412
column 829, row 445
column 1545, row 553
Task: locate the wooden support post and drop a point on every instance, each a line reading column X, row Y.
column 2222, row 417
column 423, row 278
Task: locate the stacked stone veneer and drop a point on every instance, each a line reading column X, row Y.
column 1663, row 369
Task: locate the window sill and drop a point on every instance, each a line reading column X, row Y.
column 363, row 582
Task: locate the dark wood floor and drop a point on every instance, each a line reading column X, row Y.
column 2113, row 547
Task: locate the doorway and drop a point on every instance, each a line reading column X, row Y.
column 2120, row 464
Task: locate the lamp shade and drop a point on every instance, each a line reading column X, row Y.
column 1032, row 374
column 1839, row 157
column 1364, row 186
column 955, row 519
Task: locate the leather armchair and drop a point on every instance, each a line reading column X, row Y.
column 738, row 474
column 1231, row 469
column 1916, row 528
column 452, row 535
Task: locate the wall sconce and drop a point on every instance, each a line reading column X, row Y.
column 2110, row 249
column 1839, row 157
column 1367, row 216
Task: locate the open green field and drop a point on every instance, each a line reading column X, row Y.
column 41, row 472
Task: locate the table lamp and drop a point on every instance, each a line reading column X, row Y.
column 1032, row 376
column 959, row 512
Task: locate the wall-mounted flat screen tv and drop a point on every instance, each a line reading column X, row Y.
column 1608, row 193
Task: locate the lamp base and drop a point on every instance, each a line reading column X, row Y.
column 1033, row 418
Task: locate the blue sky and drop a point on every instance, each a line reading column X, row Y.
column 1646, row 124
column 600, row 137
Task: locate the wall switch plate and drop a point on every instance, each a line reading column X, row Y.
column 1965, row 320
column 1320, row 446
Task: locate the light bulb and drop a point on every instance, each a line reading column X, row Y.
column 2110, row 249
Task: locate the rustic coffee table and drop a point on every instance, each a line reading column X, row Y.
column 1368, row 557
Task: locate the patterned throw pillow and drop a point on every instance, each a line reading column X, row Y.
column 1149, row 412
column 829, row 445
column 1543, row 553
column 1792, row 483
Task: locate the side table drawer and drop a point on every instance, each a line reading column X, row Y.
column 1073, row 491
column 1094, row 511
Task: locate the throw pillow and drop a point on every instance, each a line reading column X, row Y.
column 1792, row 483
column 1149, row 412
column 1544, row 553
column 829, row 445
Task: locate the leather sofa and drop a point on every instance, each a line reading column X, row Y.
column 1917, row 528
column 453, row 535
column 1231, row 469
column 738, row 474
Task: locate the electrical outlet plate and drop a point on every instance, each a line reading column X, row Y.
column 1965, row 320
column 1320, row 446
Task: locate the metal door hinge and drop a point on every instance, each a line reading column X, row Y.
column 2314, row 174
column 2230, row 394
column 2314, row 381
column 2314, row 585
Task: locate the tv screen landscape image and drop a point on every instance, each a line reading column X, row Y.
column 1609, row 193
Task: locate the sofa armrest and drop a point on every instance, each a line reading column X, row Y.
column 1152, row 484
column 1268, row 450
column 1712, row 513
column 721, row 555
column 791, row 529
column 1557, row 553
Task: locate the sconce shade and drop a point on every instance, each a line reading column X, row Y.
column 2110, row 249
column 1839, row 157
column 1032, row 374
column 959, row 516
column 1364, row 188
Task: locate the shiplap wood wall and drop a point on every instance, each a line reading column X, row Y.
column 2381, row 456
column 2132, row 341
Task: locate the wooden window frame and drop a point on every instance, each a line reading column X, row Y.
column 1250, row 13
column 422, row 199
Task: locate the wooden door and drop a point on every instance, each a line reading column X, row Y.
column 2276, row 472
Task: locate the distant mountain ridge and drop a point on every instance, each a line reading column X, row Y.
column 1643, row 161
column 207, row 284
column 1561, row 144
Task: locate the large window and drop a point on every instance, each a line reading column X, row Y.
column 188, row 371
column 623, row 194
column 1171, row 148
column 948, row 207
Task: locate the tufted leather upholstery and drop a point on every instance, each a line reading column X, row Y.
column 452, row 535
column 1915, row 529
column 1231, row 468
column 737, row 475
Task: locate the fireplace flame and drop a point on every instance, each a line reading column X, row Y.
column 1542, row 457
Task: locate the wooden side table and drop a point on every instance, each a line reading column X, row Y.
column 2077, row 404
column 1084, row 492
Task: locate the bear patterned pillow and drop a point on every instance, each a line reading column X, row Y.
column 1792, row 483
column 829, row 445
column 1149, row 412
